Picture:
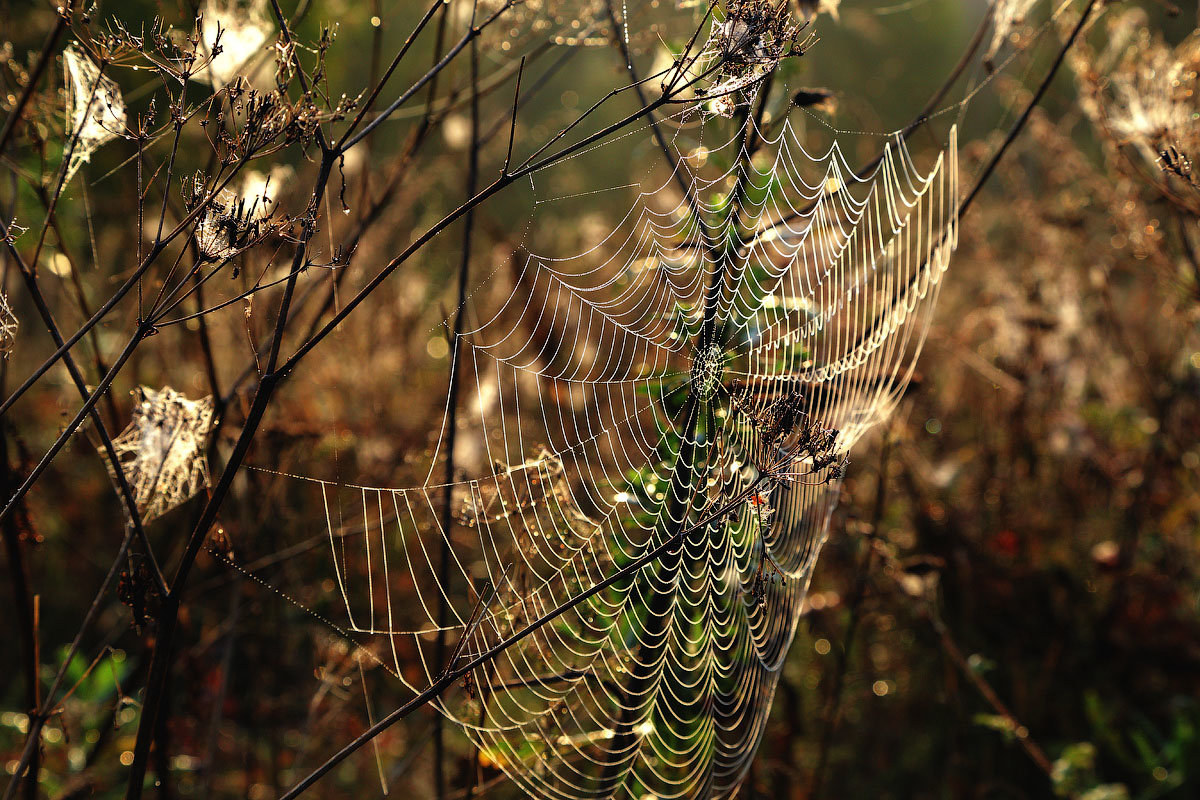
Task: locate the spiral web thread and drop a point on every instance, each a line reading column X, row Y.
column 613, row 421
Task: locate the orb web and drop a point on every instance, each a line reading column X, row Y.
column 619, row 395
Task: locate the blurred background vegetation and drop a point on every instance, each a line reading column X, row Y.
column 1008, row 603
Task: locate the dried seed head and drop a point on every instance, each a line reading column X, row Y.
column 1150, row 98
column 743, row 49
column 234, row 220
column 790, row 444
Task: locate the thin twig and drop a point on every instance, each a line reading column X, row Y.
column 464, row 270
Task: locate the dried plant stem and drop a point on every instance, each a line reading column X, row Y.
column 464, row 269
column 34, row 737
column 22, row 602
column 134, row 279
column 347, row 141
column 80, row 300
column 1033, row 103
column 369, row 103
column 123, row 487
column 989, row 694
column 1035, row 752
column 397, row 172
column 920, row 120
column 168, row 619
column 927, row 610
column 998, row 155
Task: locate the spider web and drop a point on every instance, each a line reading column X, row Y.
column 614, row 391
column 95, row 108
column 162, row 451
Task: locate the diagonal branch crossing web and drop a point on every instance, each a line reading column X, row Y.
column 616, row 392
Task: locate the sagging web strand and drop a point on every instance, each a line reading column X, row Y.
column 582, row 391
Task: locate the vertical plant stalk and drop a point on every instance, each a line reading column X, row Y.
column 22, row 606
column 33, row 740
column 464, row 270
column 833, row 702
column 81, row 301
column 684, row 474
column 169, row 615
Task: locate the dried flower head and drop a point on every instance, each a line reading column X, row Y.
column 170, row 53
column 232, row 221
column 8, row 327
column 1155, row 102
column 95, row 108
column 790, row 444
column 162, row 452
column 743, row 49
column 1149, row 101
